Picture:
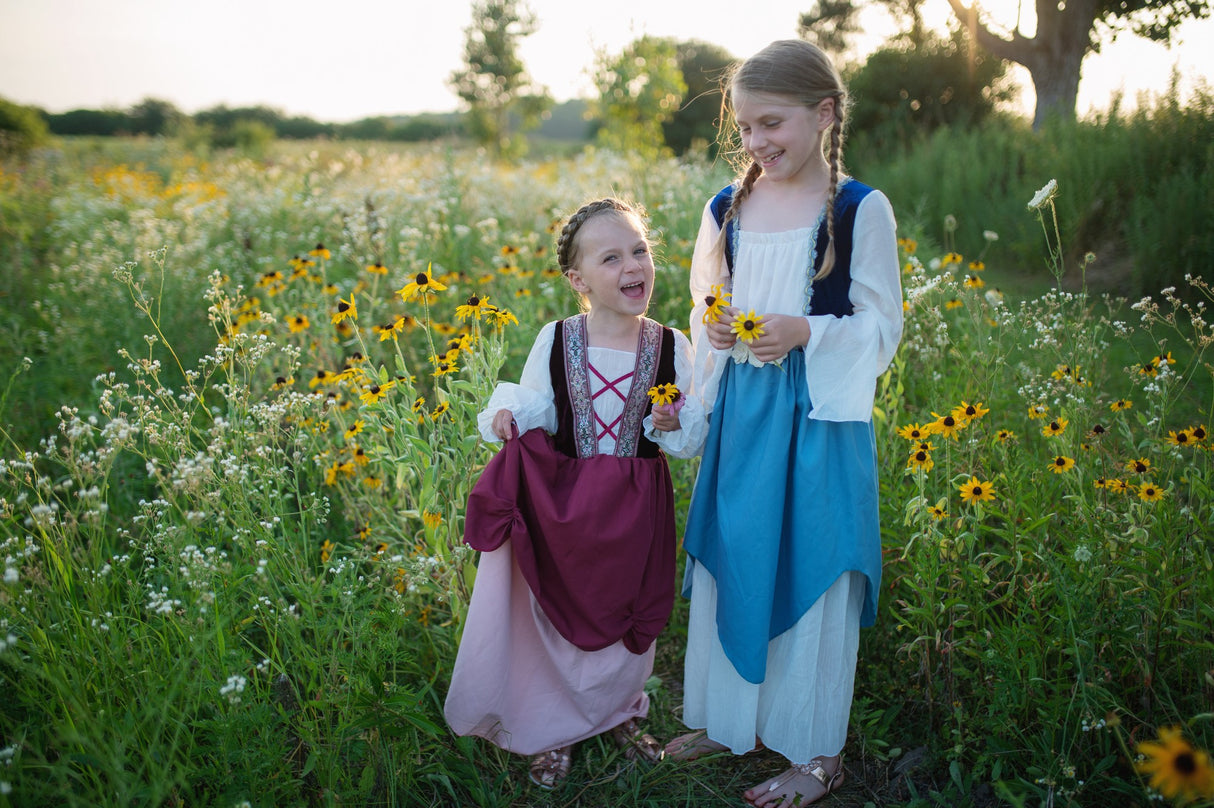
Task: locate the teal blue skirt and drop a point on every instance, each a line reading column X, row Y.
column 783, row 505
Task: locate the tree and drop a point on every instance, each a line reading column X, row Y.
column 1067, row 32
column 639, row 90
column 494, row 83
column 152, row 116
column 695, row 120
column 909, row 88
column 21, row 128
column 830, row 25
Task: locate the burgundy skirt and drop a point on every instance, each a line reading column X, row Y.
column 594, row 537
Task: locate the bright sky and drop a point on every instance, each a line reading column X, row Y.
column 340, row 61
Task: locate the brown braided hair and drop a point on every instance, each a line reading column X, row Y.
column 566, row 242
column 801, row 72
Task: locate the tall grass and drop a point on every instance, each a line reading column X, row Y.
column 239, row 433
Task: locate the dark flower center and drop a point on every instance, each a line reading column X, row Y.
column 474, row 301
column 422, row 279
column 920, row 456
column 1098, row 430
column 749, row 325
column 977, row 491
column 1182, row 437
column 343, row 306
column 1060, row 461
column 710, row 301
column 1185, row 764
column 949, row 420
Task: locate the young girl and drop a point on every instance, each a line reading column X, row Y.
column 783, row 544
column 558, row 641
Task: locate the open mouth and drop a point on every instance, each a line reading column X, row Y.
column 635, row 290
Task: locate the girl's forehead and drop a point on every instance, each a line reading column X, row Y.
column 611, row 226
column 750, row 103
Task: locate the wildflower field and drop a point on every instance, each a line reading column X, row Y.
column 238, row 402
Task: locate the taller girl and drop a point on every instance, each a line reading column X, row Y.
column 783, row 541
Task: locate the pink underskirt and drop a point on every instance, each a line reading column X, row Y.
column 521, row 685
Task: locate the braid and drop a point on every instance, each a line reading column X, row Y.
column 566, row 243
column 753, row 172
column 836, row 146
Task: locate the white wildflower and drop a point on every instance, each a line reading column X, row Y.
column 1044, row 195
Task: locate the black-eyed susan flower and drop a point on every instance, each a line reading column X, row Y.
column 977, row 266
column 664, row 394
column 374, row 392
column 973, row 282
column 473, row 308
column 969, row 412
column 268, row 279
column 441, row 410
column 432, row 519
column 1101, row 482
column 938, row 512
column 1181, row 438
column 320, row 251
column 1121, row 404
column 442, row 367
column 322, row 377
column 1098, row 431
column 914, row 432
column 1055, row 427
column 975, row 490
column 1038, row 411
column 908, row 245
column 282, row 382
column 950, row 258
column 715, row 301
column 1198, row 432
column 1118, row 485
column 1149, row 369
column 373, row 482
column 1005, row 435
column 947, row 425
column 326, row 550
column 1163, row 359
column 1176, row 769
column 509, row 250
column 920, row 460
column 1139, row 465
column 297, row 323
column 1061, row 464
column 419, row 404
column 748, row 327
column 377, row 268
column 354, row 429
column 423, row 283
column 1149, row 492
column 345, row 309
column 953, row 303
column 358, row 455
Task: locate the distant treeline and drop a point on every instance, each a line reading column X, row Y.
column 161, row 118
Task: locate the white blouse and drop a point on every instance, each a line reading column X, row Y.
column 531, row 399
column 845, row 355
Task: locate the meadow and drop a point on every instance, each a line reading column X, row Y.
column 238, row 398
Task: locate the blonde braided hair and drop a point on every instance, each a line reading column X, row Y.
column 566, row 242
column 801, row 72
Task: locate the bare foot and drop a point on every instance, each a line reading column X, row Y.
column 693, row 745
column 799, row 785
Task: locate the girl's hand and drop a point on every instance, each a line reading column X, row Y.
column 781, row 333
column 502, row 421
column 720, row 335
column 665, row 418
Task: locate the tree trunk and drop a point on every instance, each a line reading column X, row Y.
column 1053, row 56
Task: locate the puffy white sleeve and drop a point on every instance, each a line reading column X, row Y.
column 846, row 355
column 688, row 440
column 531, row 399
column 708, row 269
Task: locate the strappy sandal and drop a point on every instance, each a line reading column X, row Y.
column 693, row 745
column 636, row 743
column 813, row 769
column 549, row 769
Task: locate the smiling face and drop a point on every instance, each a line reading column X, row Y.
column 784, row 137
column 613, row 270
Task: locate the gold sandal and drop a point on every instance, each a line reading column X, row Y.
column 636, row 743
column 813, row 769
column 549, row 769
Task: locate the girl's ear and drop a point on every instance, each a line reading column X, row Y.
column 826, row 114
column 577, row 282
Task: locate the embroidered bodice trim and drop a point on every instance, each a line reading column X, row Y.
column 586, row 421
